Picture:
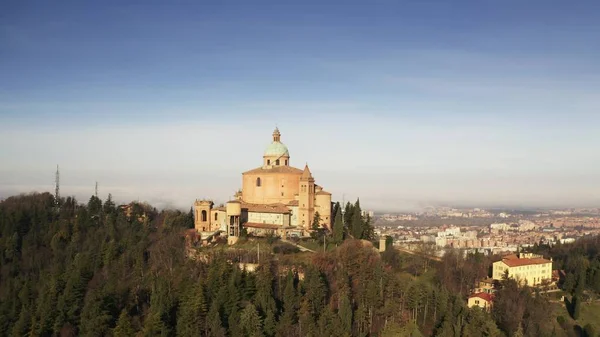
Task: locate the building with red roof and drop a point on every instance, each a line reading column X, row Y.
column 482, row 300
column 526, row 268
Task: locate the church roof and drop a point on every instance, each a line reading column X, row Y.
column 306, row 173
column 276, row 149
column 274, row 169
column 266, row 208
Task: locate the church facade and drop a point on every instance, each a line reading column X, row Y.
column 275, row 198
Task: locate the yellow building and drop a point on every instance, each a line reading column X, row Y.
column 275, row 197
column 527, row 268
column 482, row 300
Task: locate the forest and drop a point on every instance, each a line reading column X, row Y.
column 96, row 269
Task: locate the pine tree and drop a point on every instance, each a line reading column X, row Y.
column 287, row 322
column 109, row 205
column 191, row 316
column 327, row 320
column 345, row 314
column 264, row 298
column 569, row 284
column 519, row 332
column 338, row 229
column 154, row 326
column 316, row 227
column 357, row 223
column 307, row 324
column 123, row 328
column 348, row 212
column 576, row 305
column 215, row 325
column 250, row 321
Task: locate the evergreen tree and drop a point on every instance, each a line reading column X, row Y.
column 307, row 324
column 215, row 325
column 109, row 205
column 326, row 322
column 338, row 229
column 192, row 313
column 189, row 220
column 251, row 322
column 348, row 213
column 357, row 224
column 368, row 231
column 154, row 326
column 123, row 328
column 345, row 314
column 290, row 303
column 569, row 284
column 316, row 232
column 23, row 324
column 576, row 307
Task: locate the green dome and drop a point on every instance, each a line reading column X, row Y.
column 277, row 149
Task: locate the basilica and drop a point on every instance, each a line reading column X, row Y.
column 275, row 198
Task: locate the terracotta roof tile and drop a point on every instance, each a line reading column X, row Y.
column 267, row 208
column 485, row 296
column 294, row 203
column 514, row 261
column 275, row 169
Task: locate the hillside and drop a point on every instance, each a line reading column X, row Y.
column 98, row 270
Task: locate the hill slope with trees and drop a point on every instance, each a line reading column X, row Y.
column 95, row 269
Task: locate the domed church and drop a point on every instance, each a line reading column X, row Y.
column 275, row 198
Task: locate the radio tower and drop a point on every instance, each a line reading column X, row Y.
column 57, row 190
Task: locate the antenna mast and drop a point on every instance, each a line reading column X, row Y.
column 57, row 189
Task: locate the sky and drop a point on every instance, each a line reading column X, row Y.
column 403, row 104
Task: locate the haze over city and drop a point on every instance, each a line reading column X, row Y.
column 469, row 103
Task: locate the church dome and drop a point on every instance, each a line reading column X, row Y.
column 276, row 149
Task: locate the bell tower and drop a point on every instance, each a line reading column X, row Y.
column 306, row 199
column 202, row 210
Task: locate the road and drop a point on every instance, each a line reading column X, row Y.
column 302, row 249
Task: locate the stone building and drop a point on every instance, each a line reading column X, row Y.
column 275, row 197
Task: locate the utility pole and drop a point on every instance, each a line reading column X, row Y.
column 96, row 193
column 258, row 252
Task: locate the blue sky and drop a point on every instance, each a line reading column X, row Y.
column 402, row 103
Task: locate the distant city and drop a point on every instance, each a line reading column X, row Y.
column 486, row 231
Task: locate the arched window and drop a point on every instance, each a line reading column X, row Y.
column 268, row 161
column 258, row 181
column 277, row 162
column 203, row 215
column 216, row 216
